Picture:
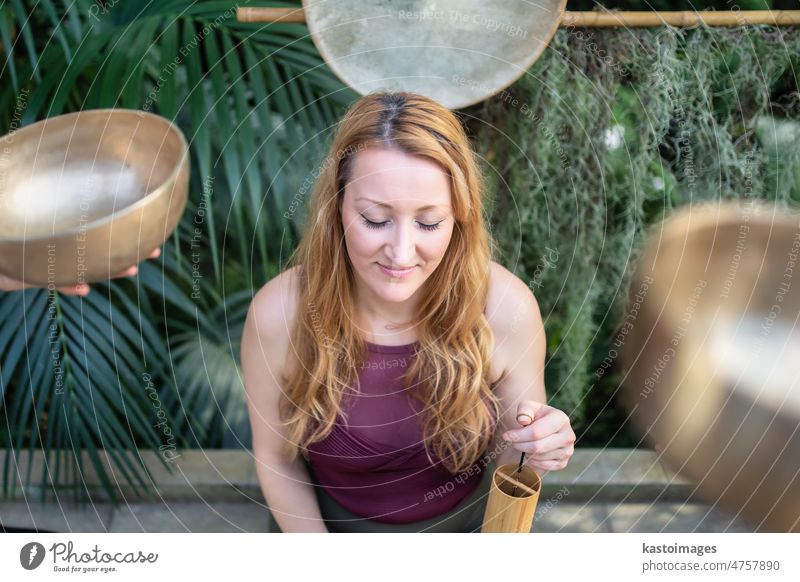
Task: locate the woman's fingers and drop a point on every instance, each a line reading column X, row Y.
column 131, row 271
column 555, row 455
column 548, row 421
column 9, row 284
column 80, row 290
column 542, row 467
column 544, row 445
column 548, row 441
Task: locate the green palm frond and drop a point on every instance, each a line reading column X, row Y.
column 78, row 373
column 209, row 375
column 22, row 28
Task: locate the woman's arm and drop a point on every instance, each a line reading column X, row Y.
column 286, row 485
column 547, row 437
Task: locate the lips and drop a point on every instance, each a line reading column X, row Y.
column 396, row 272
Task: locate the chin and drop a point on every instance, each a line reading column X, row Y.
column 397, row 296
column 393, row 291
column 388, row 289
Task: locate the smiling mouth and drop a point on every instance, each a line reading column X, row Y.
column 396, row 272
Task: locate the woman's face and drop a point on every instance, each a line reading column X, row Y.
column 397, row 220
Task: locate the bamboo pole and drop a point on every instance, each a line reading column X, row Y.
column 679, row 19
column 593, row 19
column 282, row 15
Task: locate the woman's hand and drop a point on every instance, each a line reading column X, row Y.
column 546, row 436
column 9, row 284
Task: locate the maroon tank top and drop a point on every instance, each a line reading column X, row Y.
column 376, row 466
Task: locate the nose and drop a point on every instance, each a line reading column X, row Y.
column 402, row 248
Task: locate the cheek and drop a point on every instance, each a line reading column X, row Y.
column 436, row 245
column 360, row 241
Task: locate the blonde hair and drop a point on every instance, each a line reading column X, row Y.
column 455, row 341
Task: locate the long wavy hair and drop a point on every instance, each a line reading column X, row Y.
column 455, row 342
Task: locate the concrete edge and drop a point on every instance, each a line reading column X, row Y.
column 221, row 474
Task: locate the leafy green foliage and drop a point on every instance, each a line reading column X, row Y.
column 607, row 133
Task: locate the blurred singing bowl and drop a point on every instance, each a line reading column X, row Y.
column 86, row 195
column 711, row 348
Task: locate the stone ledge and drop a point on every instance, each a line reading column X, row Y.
column 223, row 474
column 618, row 475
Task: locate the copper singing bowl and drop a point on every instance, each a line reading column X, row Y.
column 84, row 196
column 712, row 348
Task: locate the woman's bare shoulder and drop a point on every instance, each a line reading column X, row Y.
column 508, row 306
column 506, row 292
column 274, row 308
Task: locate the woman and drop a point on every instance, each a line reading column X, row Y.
column 377, row 365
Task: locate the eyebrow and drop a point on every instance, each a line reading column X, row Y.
column 389, row 206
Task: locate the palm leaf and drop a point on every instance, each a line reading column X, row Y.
column 209, row 374
column 83, row 366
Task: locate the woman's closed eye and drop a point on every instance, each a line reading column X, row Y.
column 371, row 224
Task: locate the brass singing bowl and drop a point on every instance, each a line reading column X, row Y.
column 457, row 52
column 711, row 350
column 86, row 195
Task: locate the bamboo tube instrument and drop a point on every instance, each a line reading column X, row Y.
column 513, row 495
column 512, row 500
